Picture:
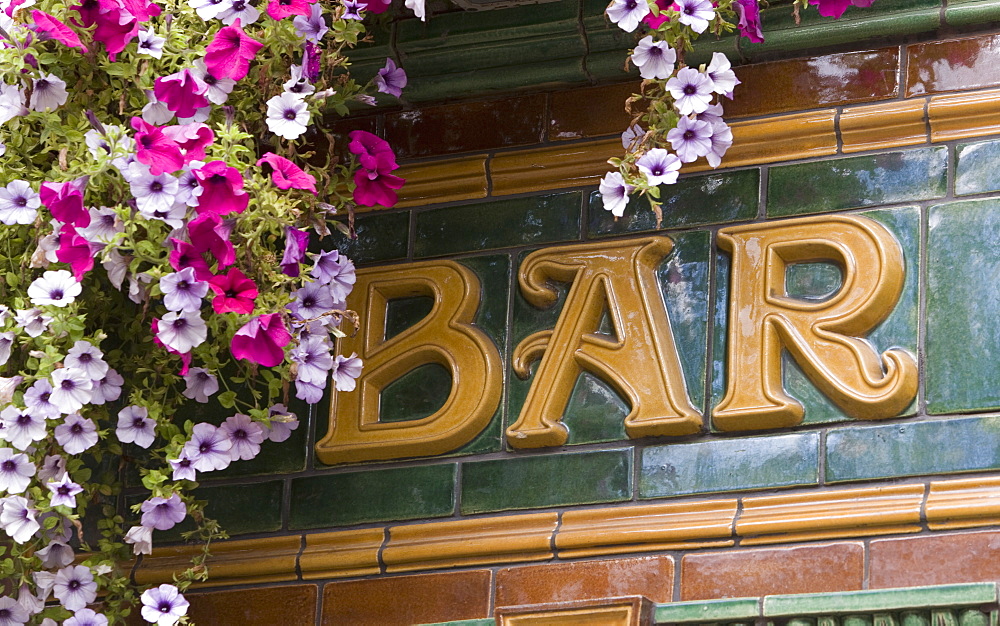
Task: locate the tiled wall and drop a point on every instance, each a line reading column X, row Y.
column 899, row 134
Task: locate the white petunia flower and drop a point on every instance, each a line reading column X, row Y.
column 49, row 92
column 11, row 102
column 55, row 287
column 240, row 10
column 16, row 471
column 182, row 330
column 87, row 358
column 287, row 115
column 18, row 203
column 71, row 389
column 150, row 43
column 20, row 427
column 18, row 518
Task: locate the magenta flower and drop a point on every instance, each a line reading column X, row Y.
column 391, row 79
column 748, row 12
column 261, row 340
column 183, row 92
column 186, row 255
column 287, row 175
column 143, row 10
column 116, row 28
column 368, row 147
column 230, row 52
column 234, row 292
column 65, row 201
column 74, row 250
column 296, row 242
column 655, row 22
column 192, row 139
column 155, row 149
column 280, row 9
column 210, row 234
column 50, row 27
column 376, row 187
column 163, row 513
column 836, row 8
column 223, row 189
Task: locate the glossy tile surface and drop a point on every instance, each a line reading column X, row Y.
column 381, row 237
column 651, row 577
column 729, row 465
column 264, row 606
column 542, row 481
column 934, row 560
column 590, row 112
column 962, row 348
column 856, row 182
column 373, row 496
column 882, row 126
column 232, row 505
column 967, row 63
column 958, row 444
column 975, row 170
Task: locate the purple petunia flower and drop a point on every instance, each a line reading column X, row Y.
column 181, row 331
column 722, row 139
column 296, row 242
column 38, row 400
column 33, row 321
column 64, row 491
column 655, row 59
column 12, row 613
column 163, row 513
column 86, row 617
column 748, row 12
column 200, row 384
column 163, row 605
column 627, row 13
column 342, row 282
column 691, row 139
column 183, row 468
column 87, row 358
column 76, row 434
column 691, row 90
column 20, row 427
column 134, row 426
column 17, row 518
column 695, row 13
column 182, row 291
column 283, row 422
column 353, row 8
column 107, row 389
column 659, row 166
column 307, row 392
column 52, row 467
column 209, row 448
column 721, row 73
column 614, row 193
column 55, row 555
column 71, row 389
column 311, row 301
column 246, row 436
column 345, row 371
column 314, row 360
column 16, row 471
column 74, row 587
column 391, row 79
column 311, row 27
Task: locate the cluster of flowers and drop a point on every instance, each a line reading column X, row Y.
column 167, row 203
column 684, row 104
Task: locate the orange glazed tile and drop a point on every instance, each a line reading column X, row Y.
column 815, row 82
column 964, row 503
column 831, row 514
column 342, row 553
column 482, row 541
column 953, row 65
column 961, row 116
column 442, row 181
column 590, row 112
column 760, row 572
column 671, row 526
column 260, row 606
column 886, row 125
column 937, row 559
column 634, row 611
column 245, row 561
column 575, row 165
column 405, row 600
column 652, row 577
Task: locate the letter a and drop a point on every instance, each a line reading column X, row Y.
column 445, row 336
column 824, row 338
column 640, row 363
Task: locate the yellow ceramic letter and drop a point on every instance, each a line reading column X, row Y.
column 640, row 362
column 824, row 338
column 445, row 336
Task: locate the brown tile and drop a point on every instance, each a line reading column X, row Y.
column 462, row 178
column 934, row 560
column 801, row 84
column 421, row 599
column 752, row 573
column 295, row 604
column 952, row 65
column 651, row 577
column 466, row 126
column 590, row 112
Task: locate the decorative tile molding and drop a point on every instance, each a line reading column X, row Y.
column 341, row 554
column 963, row 503
column 965, row 115
column 883, row 126
column 443, row 181
column 246, row 561
column 635, row 611
column 556, row 167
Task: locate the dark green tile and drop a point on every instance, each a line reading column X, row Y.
column 373, row 496
column 857, row 182
column 708, row 611
column 416, row 394
column 500, row 224
column 944, row 446
column 976, row 168
column 401, row 313
column 815, row 282
column 712, row 199
column 381, row 237
column 963, row 297
column 729, row 465
column 539, row 481
column 965, row 12
column 899, row 329
column 239, row 509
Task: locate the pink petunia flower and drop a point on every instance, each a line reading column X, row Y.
column 116, row 28
column 376, row 188
column 261, row 340
column 143, row 10
column 192, row 140
column 75, row 251
column 230, row 52
column 280, row 9
column 662, row 5
column 65, row 201
column 209, row 234
column 186, row 255
column 368, row 147
column 287, row 175
column 223, row 189
column 156, row 149
column 296, row 242
column 182, row 92
column 234, row 292
column 50, row 27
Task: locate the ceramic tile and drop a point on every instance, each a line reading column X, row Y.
column 546, row 480
column 966, row 12
column 257, row 561
column 345, row 499
column 963, row 503
column 891, row 450
column 499, row 224
column 692, row 201
column 962, row 292
column 953, row 65
column 779, row 138
column 963, row 115
column 831, row 79
column 760, row 572
column 950, row 597
column 448, row 180
column 466, row 127
column 855, row 182
column 415, row 395
column 883, row 126
column 938, row 559
column 239, row 509
column 552, row 167
column 406, row 600
column 341, row 554
column 975, row 170
column 590, row 112
column 729, row 465
column 381, row 237
column 262, row 606
column 738, row 610
column 651, row 577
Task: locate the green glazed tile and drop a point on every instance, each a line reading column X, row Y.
column 944, row 446
column 708, row 611
column 239, row 509
column 965, row 12
column 499, row 224
column 381, row 237
column 948, row 596
column 729, row 465
column 539, row 481
column 899, row 329
column 963, row 297
column 816, row 282
column 401, row 313
column 855, row 182
column 415, row 395
column 976, row 169
column 373, row 496
column 694, row 201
